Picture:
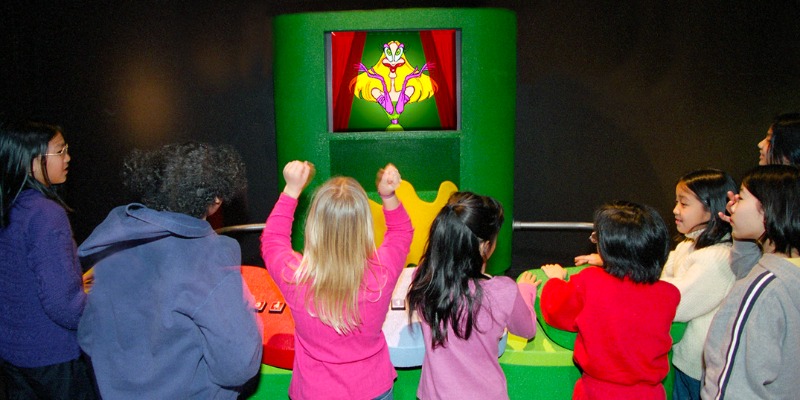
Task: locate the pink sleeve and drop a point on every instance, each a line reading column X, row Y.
column 276, row 239
column 397, row 241
column 522, row 321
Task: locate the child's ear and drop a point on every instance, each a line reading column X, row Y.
column 487, row 248
column 214, row 207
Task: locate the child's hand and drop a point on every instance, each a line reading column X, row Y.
column 297, row 174
column 528, row 278
column 591, row 259
column 732, row 200
column 387, row 180
column 554, row 271
column 88, row 280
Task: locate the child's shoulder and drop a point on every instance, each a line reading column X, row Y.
column 591, row 272
column 667, row 290
column 498, row 283
column 716, row 247
column 499, row 280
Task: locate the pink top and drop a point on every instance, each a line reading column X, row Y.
column 466, row 369
column 326, row 364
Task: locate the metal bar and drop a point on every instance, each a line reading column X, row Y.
column 542, row 226
column 241, row 228
column 517, row 226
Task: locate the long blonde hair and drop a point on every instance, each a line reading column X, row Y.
column 339, row 241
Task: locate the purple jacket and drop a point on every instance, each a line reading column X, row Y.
column 41, row 293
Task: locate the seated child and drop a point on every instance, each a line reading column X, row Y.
column 622, row 312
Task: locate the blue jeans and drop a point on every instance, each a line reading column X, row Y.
column 386, row 395
column 685, row 387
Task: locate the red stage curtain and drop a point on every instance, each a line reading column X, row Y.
column 439, row 48
column 347, row 48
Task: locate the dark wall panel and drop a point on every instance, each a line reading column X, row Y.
column 614, row 100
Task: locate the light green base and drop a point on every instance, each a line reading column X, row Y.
column 538, row 369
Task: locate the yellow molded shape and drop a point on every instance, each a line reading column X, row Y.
column 421, row 213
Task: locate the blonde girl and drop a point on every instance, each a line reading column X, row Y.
column 339, row 289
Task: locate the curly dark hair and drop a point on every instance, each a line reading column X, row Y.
column 184, row 178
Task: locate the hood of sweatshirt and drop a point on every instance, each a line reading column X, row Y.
column 789, row 273
column 129, row 225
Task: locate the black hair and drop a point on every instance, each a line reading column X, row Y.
column 445, row 291
column 21, row 142
column 184, row 178
column 784, row 146
column 711, row 187
column 777, row 188
column 633, row 241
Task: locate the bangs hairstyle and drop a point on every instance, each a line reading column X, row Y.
column 632, row 240
column 445, row 291
column 21, row 143
column 784, row 146
column 777, row 189
column 185, row 178
column 711, row 186
column 339, row 241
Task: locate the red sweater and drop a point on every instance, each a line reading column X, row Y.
column 623, row 332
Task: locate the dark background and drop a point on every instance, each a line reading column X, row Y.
column 615, row 99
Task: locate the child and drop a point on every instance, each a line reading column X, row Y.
column 41, row 296
column 780, row 146
column 751, row 350
column 464, row 312
column 169, row 315
column 339, row 289
column 622, row 311
column 699, row 267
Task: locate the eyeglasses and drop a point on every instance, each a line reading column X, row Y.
column 61, row 153
column 593, row 237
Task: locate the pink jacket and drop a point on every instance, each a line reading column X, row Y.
column 326, row 364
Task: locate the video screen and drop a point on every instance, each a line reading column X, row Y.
column 407, row 80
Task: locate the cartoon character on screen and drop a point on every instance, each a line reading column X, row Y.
column 392, row 67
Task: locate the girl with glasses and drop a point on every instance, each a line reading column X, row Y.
column 622, row 312
column 41, row 290
column 699, row 267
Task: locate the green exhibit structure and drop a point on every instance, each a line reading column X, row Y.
column 432, row 91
